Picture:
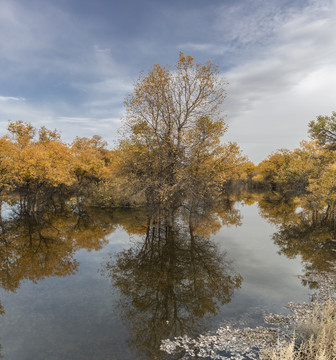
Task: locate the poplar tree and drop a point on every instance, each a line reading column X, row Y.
column 172, row 129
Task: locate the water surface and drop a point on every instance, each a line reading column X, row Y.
column 110, row 285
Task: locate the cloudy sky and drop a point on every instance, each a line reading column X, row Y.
column 68, row 64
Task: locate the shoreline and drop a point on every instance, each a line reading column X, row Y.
column 247, row 343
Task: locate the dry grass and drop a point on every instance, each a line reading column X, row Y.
column 315, row 338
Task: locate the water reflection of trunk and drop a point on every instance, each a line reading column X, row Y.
column 159, row 252
column 326, row 216
column 38, row 245
column 169, row 282
column 32, row 248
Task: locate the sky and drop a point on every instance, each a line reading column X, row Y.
column 68, row 64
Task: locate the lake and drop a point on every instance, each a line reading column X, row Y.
column 110, row 284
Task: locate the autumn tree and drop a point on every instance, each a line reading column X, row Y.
column 323, row 129
column 36, row 164
column 248, row 172
column 291, row 172
column 89, row 155
column 173, row 126
column 21, row 133
column 89, row 160
column 322, row 188
column 41, row 165
column 269, row 170
column 7, row 164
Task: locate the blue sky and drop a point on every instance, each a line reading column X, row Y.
column 68, row 64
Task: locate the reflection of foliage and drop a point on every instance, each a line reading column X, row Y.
column 302, row 231
column 31, row 251
column 277, row 209
column 34, row 247
column 207, row 218
column 314, row 242
column 170, row 281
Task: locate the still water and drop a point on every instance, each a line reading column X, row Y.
column 91, row 284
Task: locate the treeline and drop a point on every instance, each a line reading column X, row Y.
column 308, row 171
column 39, row 167
column 171, row 148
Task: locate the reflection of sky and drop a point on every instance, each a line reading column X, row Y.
column 7, row 210
column 65, row 318
column 269, row 280
column 69, row 64
column 74, row 316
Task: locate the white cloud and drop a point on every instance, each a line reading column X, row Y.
column 69, row 126
column 282, row 64
column 48, row 50
column 210, row 49
column 27, row 33
column 271, row 100
column 11, row 98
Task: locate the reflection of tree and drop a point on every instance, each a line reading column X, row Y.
column 40, row 245
column 277, row 209
column 207, row 218
column 32, row 251
column 170, row 281
column 313, row 241
column 302, row 233
column 34, row 247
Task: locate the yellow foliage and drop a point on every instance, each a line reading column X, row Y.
column 173, row 126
